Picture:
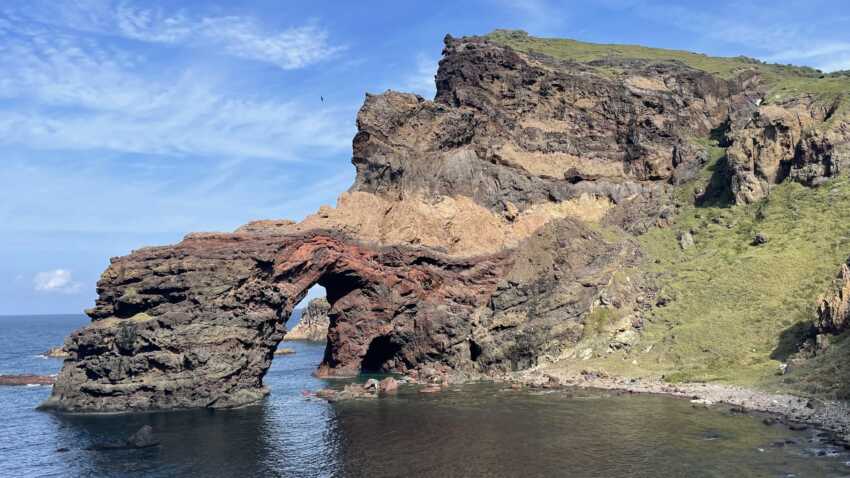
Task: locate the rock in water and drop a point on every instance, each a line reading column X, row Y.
column 284, row 351
column 388, row 385
column 57, row 352
column 760, row 239
column 314, row 322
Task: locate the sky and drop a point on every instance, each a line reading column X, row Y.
column 126, row 124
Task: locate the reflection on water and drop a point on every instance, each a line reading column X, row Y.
column 476, row 430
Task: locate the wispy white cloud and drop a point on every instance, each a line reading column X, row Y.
column 780, row 34
column 158, row 196
column 827, row 56
column 240, row 36
column 537, row 16
column 421, row 81
column 57, row 280
column 74, row 92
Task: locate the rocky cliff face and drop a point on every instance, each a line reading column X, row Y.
column 787, row 140
column 834, row 306
column 488, row 230
column 314, row 322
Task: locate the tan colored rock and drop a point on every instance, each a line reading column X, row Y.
column 388, row 385
column 787, row 140
column 57, row 352
column 314, row 322
column 834, row 306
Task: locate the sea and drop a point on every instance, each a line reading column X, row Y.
column 475, row 430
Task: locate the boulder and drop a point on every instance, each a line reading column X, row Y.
column 388, row 385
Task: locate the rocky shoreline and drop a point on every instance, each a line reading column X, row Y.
column 794, row 411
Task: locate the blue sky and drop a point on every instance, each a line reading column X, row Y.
column 124, row 124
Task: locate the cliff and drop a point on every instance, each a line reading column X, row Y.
column 520, row 219
column 314, row 322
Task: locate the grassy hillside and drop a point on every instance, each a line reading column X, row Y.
column 782, row 81
column 736, row 310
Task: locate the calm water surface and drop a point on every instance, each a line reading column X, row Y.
column 475, row 430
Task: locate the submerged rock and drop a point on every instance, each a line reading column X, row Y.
column 142, row 438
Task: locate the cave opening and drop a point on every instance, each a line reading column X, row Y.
column 381, row 355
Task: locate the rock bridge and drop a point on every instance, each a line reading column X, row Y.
column 196, row 324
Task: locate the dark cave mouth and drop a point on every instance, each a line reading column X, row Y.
column 381, row 356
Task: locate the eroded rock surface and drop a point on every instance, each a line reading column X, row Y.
column 789, row 140
column 834, row 306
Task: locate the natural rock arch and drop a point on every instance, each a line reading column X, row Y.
column 196, row 324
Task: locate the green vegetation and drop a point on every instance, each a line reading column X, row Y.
column 782, row 81
column 737, row 310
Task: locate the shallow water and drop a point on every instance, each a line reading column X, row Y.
column 475, row 430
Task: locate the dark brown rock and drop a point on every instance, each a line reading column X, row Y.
column 833, row 312
column 57, row 352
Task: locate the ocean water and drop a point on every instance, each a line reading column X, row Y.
column 472, row 430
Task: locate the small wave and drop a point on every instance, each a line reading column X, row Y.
column 34, row 385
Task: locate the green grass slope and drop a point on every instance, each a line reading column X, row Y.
column 736, row 310
column 781, row 81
